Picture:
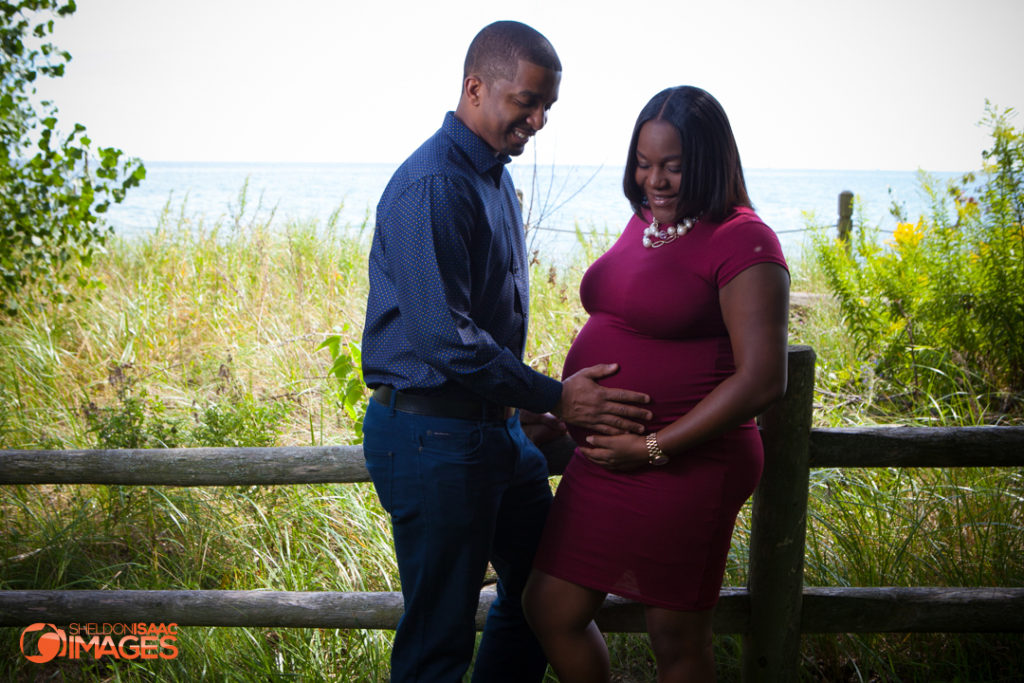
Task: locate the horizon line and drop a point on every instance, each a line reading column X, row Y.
column 557, row 165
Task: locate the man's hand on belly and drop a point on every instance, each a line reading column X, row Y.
column 587, row 404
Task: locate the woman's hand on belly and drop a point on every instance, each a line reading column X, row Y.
column 619, row 453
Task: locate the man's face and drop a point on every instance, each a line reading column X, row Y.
column 508, row 113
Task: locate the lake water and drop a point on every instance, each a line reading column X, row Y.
column 556, row 199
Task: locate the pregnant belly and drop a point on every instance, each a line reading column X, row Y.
column 675, row 373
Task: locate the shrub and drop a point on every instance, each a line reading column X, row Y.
column 939, row 308
column 234, row 418
column 50, row 200
column 136, row 421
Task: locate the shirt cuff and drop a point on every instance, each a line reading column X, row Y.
column 546, row 396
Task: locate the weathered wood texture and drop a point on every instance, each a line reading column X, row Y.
column 186, row 466
column 844, row 226
column 206, row 466
column 913, row 610
column 918, row 447
column 303, row 609
column 771, row 647
column 833, row 447
column 806, row 299
column 323, row 609
column 825, row 610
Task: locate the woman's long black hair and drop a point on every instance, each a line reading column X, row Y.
column 712, row 183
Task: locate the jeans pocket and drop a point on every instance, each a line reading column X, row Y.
column 381, row 466
column 458, row 441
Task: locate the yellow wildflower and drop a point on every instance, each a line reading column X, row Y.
column 909, row 235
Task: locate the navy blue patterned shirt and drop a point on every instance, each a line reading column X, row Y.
column 449, row 282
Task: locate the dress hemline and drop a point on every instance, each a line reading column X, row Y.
column 636, row 597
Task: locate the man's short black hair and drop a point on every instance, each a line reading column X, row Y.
column 495, row 51
column 712, row 185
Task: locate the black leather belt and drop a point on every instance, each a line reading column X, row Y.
column 442, row 406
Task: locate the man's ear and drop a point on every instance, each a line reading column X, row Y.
column 472, row 90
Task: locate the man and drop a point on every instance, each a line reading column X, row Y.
column 445, row 330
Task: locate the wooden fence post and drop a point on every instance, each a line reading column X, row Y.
column 771, row 648
column 845, row 224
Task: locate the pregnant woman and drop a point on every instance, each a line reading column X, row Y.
column 692, row 303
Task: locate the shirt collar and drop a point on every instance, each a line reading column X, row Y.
column 476, row 150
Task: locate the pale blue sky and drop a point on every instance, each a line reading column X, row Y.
column 879, row 84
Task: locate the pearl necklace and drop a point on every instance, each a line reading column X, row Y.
column 654, row 237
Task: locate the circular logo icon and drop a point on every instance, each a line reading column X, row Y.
column 48, row 644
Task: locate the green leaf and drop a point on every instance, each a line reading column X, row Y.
column 333, row 343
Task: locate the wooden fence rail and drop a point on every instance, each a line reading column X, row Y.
column 771, row 612
column 828, row 447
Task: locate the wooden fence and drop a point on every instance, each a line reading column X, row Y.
column 771, row 612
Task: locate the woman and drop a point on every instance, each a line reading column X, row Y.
column 692, row 303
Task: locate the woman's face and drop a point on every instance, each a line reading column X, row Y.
column 659, row 170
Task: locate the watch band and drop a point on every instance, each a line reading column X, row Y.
column 655, row 455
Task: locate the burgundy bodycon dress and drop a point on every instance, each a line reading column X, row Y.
column 660, row 535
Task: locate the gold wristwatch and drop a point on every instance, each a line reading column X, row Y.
column 655, row 455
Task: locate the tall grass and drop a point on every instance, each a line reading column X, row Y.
column 198, row 320
column 901, row 527
column 208, row 331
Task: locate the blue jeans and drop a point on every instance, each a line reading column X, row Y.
column 460, row 493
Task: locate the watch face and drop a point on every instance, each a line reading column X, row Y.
column 659, row 460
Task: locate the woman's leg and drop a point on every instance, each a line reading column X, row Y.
column 682, row 645
column 561, row 613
